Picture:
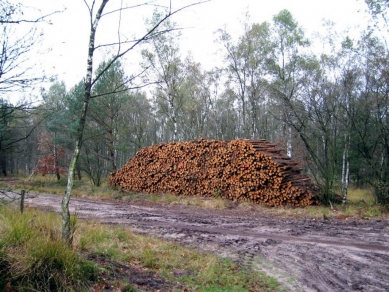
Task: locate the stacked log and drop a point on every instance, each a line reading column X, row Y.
column 250, row 170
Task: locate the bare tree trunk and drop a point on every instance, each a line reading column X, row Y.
column 345, row 169
column 289, row 142
column 112, row 151
column 56, row 162
column 66, row 232
column 3, row 162
column 174, row 128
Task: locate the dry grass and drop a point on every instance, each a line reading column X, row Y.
column 360, row 205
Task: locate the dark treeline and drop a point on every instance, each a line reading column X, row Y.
column 328, row 110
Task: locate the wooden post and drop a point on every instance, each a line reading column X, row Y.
column 22, row 194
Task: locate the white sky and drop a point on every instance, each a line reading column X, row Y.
column 68, row 35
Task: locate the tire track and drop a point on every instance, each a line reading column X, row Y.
column 305, row 255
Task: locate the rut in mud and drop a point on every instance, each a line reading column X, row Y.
column 305, row 255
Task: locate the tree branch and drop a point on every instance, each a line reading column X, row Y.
column 147, row 36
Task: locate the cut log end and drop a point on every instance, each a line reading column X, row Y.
column 250, row 170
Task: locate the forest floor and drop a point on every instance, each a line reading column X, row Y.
column 304, row 254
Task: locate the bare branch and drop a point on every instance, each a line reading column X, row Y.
column 137, row 40
column 37, row 20
column 120, row 21
column 118, row 89
column 147, row 36
column 130, row 7
column 8, row 195
column 87, row 5
column 6, row 145
column 127, row 89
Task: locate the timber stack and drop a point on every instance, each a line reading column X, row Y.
column 250, row 170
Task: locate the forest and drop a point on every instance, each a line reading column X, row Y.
column 328, row 109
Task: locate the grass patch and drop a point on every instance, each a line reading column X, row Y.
column 207, row 203
column 47, row 184
column 358, row 195
column 33, row 257
column 84, row 189
column 200, row 271
column 361, row 204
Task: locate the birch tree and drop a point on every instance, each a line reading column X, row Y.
column 166, row 70
column 19, row 37
column 288, row 44
column 246, row 69
column 96, row 12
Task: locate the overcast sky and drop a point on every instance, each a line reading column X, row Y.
column 68, row 35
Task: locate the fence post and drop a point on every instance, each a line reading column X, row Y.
column 23, row 192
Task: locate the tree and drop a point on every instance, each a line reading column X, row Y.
column 6, row 117
column 57, row 115
column 96, row 13
column 288, row 43
column 379, row 10
column 111, row 92
column 138, row 125
column 17, row 124
column 315, row 117
column 51, row 156
column 18, row 39
column 196, row 108
column 246, row 66
column 166, row 70
column 370, row 119
column 314, row 97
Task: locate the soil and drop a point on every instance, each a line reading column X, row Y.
column 138, row 277
column 303, row 254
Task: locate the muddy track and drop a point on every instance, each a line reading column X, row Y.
column 305, row 255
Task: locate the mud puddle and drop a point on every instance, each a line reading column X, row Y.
column 305, row 255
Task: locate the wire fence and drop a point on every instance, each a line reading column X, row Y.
column 9, row 196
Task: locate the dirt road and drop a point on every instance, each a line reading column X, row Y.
column 305, row 255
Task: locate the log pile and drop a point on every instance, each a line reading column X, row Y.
column 250, row 170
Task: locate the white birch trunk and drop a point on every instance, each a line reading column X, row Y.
column 174, row 129
column 66, row 232
column 345, row 169
column 289, row 148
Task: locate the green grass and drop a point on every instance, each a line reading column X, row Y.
column 33, row 257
